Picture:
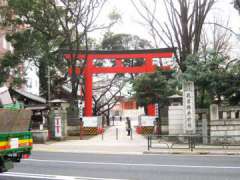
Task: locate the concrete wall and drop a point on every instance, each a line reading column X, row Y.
column 73, row 130
column 40, row 136
column 175, row 120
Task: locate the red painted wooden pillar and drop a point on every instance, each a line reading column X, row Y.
column 151, row 110
column 150, row 107
column 88, row 88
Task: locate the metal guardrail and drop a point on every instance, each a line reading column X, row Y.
column 192, row 142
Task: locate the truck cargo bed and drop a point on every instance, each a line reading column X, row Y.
column 14, row 120
column 15, row 137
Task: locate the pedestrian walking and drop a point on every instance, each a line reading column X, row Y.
column 128, row 126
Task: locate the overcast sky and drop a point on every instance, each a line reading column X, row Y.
column 130, row 23
column 130, row 18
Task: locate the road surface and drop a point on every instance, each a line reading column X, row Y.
column 76, row 166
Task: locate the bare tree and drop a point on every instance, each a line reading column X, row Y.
column 184, row 25
column 216, row 38
column 237, row 5
column 107, row 93
column 79, row 19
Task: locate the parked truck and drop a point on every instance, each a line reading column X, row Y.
column 15, row 137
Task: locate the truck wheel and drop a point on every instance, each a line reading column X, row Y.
column 2, row 169
column 18, row 158
column 1, row 166
column 5, row 165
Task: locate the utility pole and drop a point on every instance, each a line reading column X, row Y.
column 49, row 85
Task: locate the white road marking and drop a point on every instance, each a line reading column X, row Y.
column 51, row 177
column 194, row 155
column 134, row 164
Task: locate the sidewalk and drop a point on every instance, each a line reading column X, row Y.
column 113, row 141
column 116, row 141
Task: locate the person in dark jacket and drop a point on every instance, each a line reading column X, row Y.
column 128, row 126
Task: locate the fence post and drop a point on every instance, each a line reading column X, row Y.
column 148, row 141
column 193, row 143
column 189, row 142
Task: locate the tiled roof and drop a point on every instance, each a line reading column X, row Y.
column 30, row 96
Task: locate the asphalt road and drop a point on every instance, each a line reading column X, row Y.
column 70, row 166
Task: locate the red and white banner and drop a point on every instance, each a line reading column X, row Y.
column 58, row 126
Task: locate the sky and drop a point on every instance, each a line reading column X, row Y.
column 130, row 18
column 131, row 22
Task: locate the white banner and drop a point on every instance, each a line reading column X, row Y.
column 147, row 120
column 58, row 126
column 91, row 121
column 189, row 107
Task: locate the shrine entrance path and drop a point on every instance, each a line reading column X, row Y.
column 109, row 143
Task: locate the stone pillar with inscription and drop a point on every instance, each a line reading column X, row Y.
column 214, row 112
column 205, row 128
column 189, row 107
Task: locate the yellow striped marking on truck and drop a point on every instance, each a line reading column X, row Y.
column 21, row 143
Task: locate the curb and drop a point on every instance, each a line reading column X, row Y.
column 89, row 152
column 194, row 153
column 201, row 153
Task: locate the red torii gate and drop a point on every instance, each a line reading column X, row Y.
column 91, row 69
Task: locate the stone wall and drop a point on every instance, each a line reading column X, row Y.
column 214, row 124
column 39, row 136
column 225, row 121
column 202, row 124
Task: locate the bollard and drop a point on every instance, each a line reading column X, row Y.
column 131, row 136
column 102, row 135
column 116, row 133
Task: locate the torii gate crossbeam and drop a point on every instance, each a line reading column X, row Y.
column 118, row 56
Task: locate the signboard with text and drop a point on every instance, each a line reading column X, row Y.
column 189, row 107
column 147, row 120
